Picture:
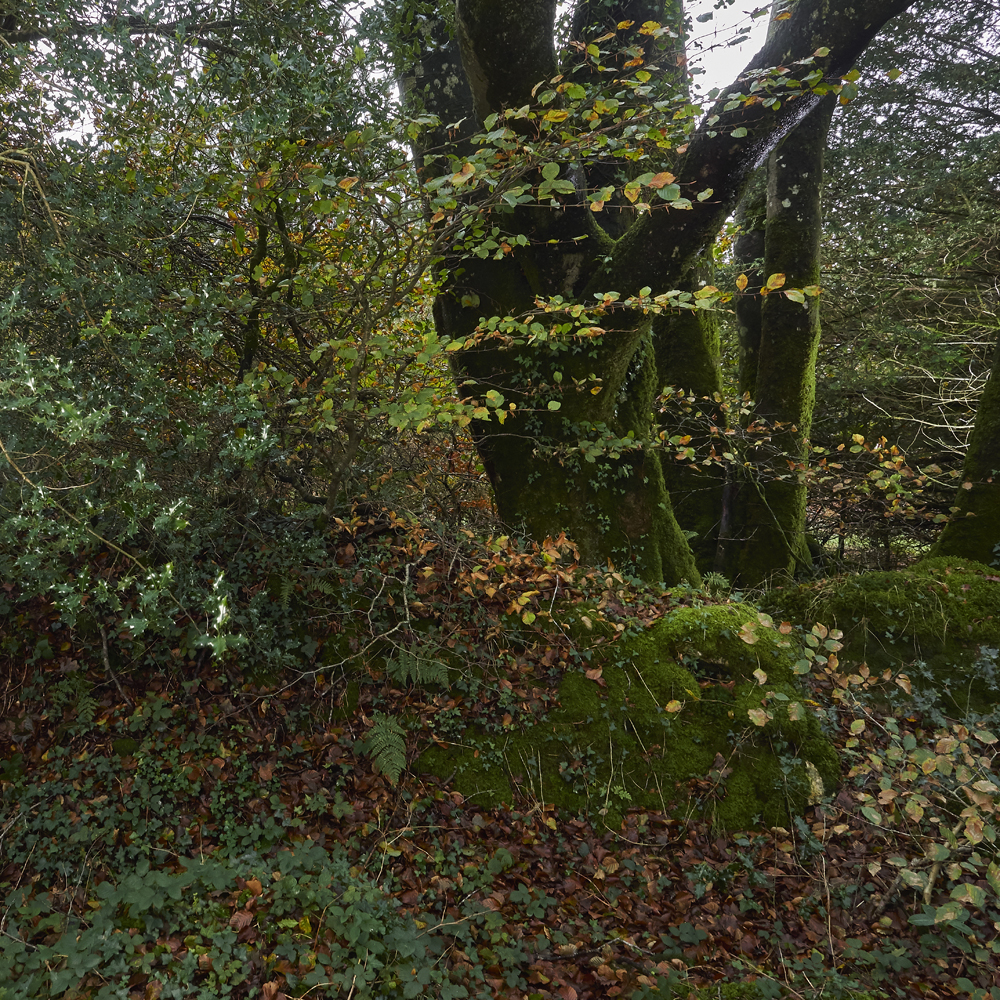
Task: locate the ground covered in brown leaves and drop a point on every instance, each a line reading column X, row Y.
column 194, row 829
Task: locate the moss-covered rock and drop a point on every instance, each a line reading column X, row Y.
column 688, row 698
column 938, row 620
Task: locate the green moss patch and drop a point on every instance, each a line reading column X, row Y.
column 939, row 620
column 685, row 716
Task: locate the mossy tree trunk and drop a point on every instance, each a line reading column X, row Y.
column 617, row 506
column 784, row 386
column 748, row 254
column 974, row 530
column 687, row 353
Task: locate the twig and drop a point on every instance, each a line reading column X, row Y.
column 107, row 667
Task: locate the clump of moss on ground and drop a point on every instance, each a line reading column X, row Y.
column 688, row 698
column 939, row 620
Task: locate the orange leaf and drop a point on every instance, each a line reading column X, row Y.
column 662, row 180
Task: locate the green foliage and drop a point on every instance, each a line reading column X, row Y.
column 407, row 667
column 386, row 745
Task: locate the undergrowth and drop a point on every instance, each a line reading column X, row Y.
column 176, row 825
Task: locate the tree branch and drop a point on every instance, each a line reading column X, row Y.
column 661, row 246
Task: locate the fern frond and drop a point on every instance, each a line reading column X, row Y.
column 325, row 587
column 386, row 745
column 408, row 667
column 285, row 587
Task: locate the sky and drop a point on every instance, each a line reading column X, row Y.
column 721, row 59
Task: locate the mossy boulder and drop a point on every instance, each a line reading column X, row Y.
column 939, row 621
column 705, row 694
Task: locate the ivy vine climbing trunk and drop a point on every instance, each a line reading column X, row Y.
column 572, row 451
column 974, row 530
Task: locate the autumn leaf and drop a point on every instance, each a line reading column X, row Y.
column 662, row 180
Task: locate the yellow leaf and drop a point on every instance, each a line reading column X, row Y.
column 742, row 281
column 674, row 706
column 347, row 182
column 555, row 115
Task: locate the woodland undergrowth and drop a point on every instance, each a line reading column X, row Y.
column 177, row 824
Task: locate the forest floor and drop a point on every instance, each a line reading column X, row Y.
column 196, row 831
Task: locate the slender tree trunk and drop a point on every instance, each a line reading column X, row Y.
column 974, row 530
column 785, row 384
column 748, row 251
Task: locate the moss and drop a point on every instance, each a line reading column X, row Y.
column 943, row 613
column 654, row 710
column 687, row 351
column 974, row 532
column 785, row 390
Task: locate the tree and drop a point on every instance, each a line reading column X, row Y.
column 214, row 309
column 909, row 325
column 599, row 381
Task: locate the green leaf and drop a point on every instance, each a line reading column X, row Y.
column 550, row 171
column 968, row 893
column 738, row 133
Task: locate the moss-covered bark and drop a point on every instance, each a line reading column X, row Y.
column 974, row 531
column 748, row 254
column 774, row 503
column 616, row 506
column 687, row 350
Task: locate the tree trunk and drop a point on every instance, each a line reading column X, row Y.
column 774, row 500
column 748, row 251
column 547, row 475
column 687, row 352
column 974, row 530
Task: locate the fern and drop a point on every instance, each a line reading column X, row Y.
column 407, row 667
column 282, row 589
column 716, row 584
column 386, row 745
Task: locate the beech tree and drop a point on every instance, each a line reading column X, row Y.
column 497, row 67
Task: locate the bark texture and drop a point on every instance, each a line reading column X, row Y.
column 748, row 251
column 774, row 499
column 974, row 531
